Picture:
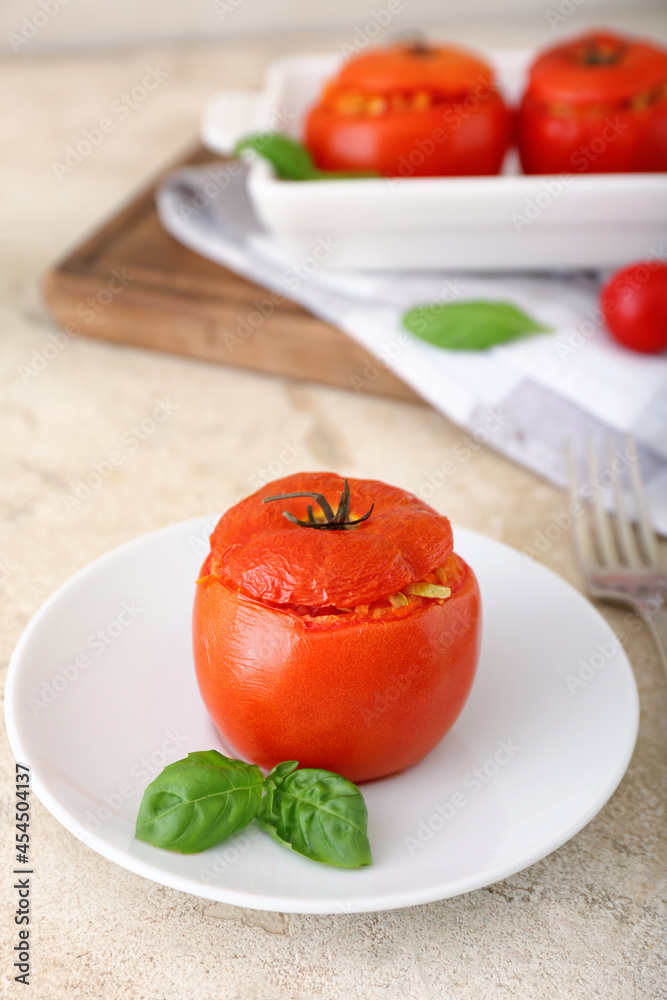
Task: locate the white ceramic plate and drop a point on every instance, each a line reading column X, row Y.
column 101, row 694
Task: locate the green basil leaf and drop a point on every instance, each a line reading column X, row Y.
column 316, row 813
column 196, row 802
column 291, row 160
column 281, row 770
column 470, row 326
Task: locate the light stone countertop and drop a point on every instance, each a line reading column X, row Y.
column 588, row 921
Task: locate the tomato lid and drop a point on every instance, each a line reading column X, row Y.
column 448, row 72
column 597, row 68
column 266, row 556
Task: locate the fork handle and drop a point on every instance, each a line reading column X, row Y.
column 657, row 622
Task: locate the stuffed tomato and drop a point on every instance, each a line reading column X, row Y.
column 345, row 636
column 595, row 104
column 410, row 110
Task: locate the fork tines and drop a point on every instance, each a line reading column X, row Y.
column 611, row 540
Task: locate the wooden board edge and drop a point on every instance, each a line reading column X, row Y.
column 137, row 205
column 199, row 334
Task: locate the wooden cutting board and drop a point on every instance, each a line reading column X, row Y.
column 132, row 283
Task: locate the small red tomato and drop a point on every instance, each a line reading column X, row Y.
column 351, row 648
column 410, row 111
column 634, row 303
column 595, row 104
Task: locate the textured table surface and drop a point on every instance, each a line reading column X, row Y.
column 588, row 921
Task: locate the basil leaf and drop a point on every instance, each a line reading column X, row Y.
column 316, row 813
column 291, row 160
column 196, row 802
column 470, row 326
column 281, row 770
column 211, row 757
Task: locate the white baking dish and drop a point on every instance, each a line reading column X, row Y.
column 472, row 223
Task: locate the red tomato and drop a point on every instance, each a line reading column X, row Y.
column 410, row 111
column 634, row 303
column 322, row 645
column 595, row 104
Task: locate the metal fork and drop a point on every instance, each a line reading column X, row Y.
column 620, row 563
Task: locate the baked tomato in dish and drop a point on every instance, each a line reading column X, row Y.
column 410, row 111
column 340, row 633
column 595, row 104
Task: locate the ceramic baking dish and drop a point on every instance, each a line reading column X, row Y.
column 503, row 222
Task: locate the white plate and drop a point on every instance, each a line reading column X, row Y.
column 553, row 688
column 421, row 223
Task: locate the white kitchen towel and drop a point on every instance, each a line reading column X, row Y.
column 524, row 398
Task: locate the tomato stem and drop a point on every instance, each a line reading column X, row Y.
column 332, row 522
column 597, row 53
column 414, row 40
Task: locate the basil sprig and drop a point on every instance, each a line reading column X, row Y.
column 470, row 326
column 291, row 160
column 198, row 802
column 316, row 813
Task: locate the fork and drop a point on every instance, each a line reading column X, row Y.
column 620, row 563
